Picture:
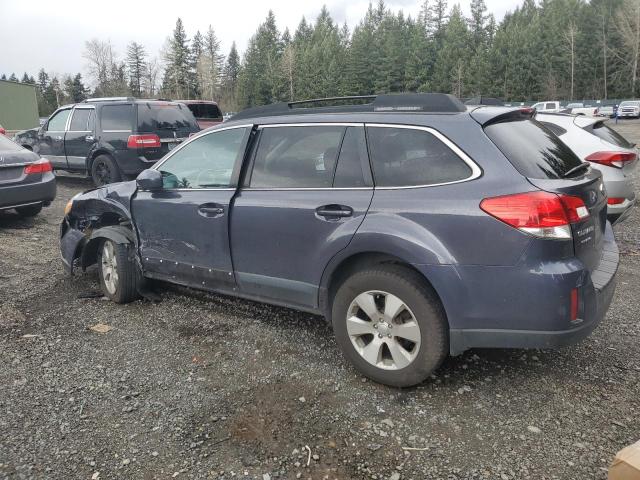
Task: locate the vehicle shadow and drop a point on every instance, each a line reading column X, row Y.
column 9, row 219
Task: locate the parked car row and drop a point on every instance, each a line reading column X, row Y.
column 417, row 226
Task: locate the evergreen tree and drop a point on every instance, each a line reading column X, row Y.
column 210, row 66
column 136, row 67
column 13, row 78
column 74, row 89
column 177, row 78
column 451, row 68
column 230, row 76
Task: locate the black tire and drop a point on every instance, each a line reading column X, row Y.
column 128, row 275
column 411, row 288
column 29, row 210
column 104, row 170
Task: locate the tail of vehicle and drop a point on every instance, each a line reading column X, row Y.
column 569, row 202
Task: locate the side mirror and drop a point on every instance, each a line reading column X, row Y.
column 149, row 180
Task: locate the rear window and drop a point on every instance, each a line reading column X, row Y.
column 116, row 118
column 404, row 157
column 607, row 134
column 532, row 148
column 152, row 117
column 205, row 110
column 7, row 145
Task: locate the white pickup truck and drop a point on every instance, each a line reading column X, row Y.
column 548, row 107
column 573, row 108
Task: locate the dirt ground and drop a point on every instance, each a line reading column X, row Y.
column 206, row 386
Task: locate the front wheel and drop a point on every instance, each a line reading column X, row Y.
column 104, row 170
column 390, row 325
column 119, row 275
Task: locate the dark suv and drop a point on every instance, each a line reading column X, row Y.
column 110, row 138
column 417, row 227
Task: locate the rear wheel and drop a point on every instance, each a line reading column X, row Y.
column 119, row 275
column 29, row 210
column 104, row 170
column 389, row 324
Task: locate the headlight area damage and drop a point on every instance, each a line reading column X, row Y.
column 92, row 217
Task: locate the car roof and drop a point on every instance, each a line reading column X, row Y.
column 192, row 102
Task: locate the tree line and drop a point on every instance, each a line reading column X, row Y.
column 554, row 49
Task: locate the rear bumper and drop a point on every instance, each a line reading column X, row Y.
column 526, row 305
column 29, row 193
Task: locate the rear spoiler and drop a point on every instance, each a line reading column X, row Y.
column 488, row 115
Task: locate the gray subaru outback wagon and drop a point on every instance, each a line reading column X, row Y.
column 418, row 227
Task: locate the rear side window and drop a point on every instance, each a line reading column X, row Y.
column 532, row 148
column 296, row 157
column 154, row 117
column 557, row 130
column 404, row 157
column 205, row 110
column 607, row 134
column 550, row 106
column 116, row 118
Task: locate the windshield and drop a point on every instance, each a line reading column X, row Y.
column 533, row 149
column 205, row 110
column 165, row 116
column 7, row 145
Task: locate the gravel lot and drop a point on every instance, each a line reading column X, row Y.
column 205, row 386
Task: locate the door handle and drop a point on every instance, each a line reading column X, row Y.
column 211, row 210
column 89, row 138
column 334, row 211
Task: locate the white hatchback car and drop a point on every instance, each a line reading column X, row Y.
column 608, row 151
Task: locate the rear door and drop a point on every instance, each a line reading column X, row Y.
column 80, row 137
column 183, row 228
column 50, row 142
column 305, row 195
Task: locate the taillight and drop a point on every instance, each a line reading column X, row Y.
column 612, row 159
column 615, row 201
column 543, row 214
column 2, row 131
column 40, row 166
column 143, row 141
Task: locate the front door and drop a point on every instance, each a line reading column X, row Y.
column 308, row 192
column 184, row 228
column 80, row 137
column 50, row 143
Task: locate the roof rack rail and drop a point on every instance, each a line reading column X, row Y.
column 395, row 103
column 109, row 99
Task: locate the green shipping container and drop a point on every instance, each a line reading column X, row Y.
column 18, row 105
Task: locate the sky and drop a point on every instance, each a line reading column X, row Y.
column 38, row 34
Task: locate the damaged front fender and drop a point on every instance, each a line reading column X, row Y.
column 103, row 213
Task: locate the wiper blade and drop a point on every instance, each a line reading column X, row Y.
column 577, row 168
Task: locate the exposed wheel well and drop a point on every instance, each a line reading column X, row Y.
column 89, row 251
column 362, row 261
column 95, row 155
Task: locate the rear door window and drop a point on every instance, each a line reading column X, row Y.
column 404, row 157
column 296, row 157
column 532, row 148
column 550, row 106
column 116, row 118
column 352, row 160
column 81, row 120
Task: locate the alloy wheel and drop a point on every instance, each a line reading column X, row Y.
column 383, row 330
column 109, row 267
